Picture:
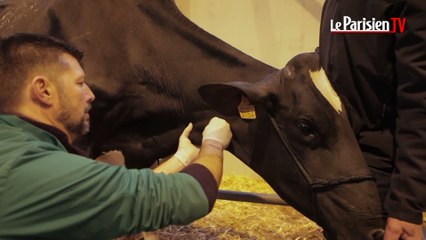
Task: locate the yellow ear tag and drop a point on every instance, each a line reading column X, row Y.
column 246, row 109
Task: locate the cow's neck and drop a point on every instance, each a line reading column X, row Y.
column 248, row 143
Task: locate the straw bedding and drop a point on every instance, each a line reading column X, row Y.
column 232, row 220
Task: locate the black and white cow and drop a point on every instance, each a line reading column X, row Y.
column 153, row 71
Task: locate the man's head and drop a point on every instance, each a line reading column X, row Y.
column 41, row 78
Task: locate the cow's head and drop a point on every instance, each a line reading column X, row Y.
column 301, row 142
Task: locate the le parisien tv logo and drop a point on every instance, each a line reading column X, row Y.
column 394, row 25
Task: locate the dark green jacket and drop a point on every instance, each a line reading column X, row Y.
column 48, row 193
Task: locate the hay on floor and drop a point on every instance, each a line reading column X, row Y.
column 231, row 220
column 241, row 220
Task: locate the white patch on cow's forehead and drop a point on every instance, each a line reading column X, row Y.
column 324, row 86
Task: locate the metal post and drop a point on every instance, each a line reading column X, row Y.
column 251, row 197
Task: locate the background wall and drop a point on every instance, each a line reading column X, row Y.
column 272, row 31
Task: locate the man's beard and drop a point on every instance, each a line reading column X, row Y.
column 75, row 127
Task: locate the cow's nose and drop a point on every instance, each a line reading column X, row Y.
column 376, row 234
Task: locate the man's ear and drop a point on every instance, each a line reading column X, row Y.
column 42, row 90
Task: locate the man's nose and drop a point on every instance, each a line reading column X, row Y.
column 90, row 95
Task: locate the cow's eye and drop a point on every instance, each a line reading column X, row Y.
column 305, row 126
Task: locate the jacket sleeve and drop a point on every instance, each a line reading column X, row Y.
column 50, row 193
column 407, row 197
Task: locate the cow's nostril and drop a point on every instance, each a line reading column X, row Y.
column 376, row 234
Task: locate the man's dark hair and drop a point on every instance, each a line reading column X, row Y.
column 19, row 55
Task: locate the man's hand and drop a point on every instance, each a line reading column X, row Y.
column 186, row 152
column 218, row 130
column 397, row 229
column 184, row 156
column 113, row 157
column 216, row 137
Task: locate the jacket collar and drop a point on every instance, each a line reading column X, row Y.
column 42, row 131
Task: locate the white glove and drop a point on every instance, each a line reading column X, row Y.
column 186, row 152
column 218, row 130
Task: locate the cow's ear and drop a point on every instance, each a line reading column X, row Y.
column 226, row 97
column 288, row 72
column 223, row 98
